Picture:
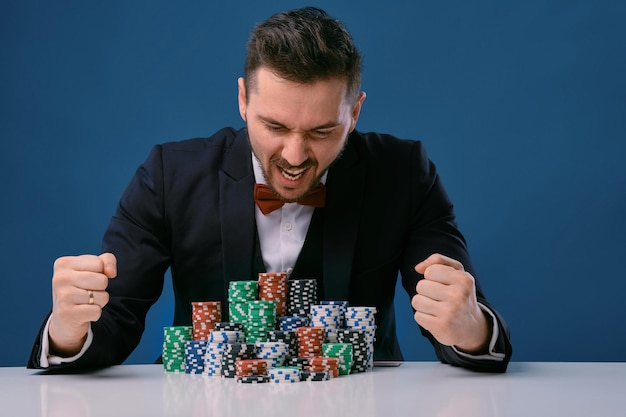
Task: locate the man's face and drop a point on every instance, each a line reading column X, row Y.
column 296, row 130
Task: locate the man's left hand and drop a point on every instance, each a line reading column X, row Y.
column 446, row 305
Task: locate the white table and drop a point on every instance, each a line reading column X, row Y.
column 413, row 389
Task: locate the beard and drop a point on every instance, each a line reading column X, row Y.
column 282, row 163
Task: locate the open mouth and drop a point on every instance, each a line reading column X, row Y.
column 293, row 174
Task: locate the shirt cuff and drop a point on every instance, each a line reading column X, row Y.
column 495, row 333
column 46, row 359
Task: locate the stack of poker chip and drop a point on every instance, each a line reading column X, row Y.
column 314, row 376
column 174, row 339
column 229, row 326
column 343, row 305
column 195, row 351
column 251, row 371
column 223, row 334
column 261, row 319
column 213, row 359
column 328, row 316
column 240, row 293
column 298, row 362
column 288, row 337
column 291, row 323
column 227, row 336
column 360, row 348
column 342, row 351
column 284, row 374
column 204, row 315
column 323, row 364
column 310, row 341
column 234, row 352
column 301, row 295
column 274, row 353
column 273, row 287
column 362, row 318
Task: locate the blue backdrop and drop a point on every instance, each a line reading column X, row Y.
column 522, row 105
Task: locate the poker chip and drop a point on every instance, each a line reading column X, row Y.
column 341, row 351
column 229, row 326
column 360, row 348
column 227, row 336
column 343, row 305
column 276, row 331
column 213, row 359
column 301, row 295
column 204, row 315
column 291, row 323
column 362, row 319
column 261, row 319
column 300, row 363
column 310, row 341
column 324, row 364
column 238, row 312
column 173, row 352
column 274, row 353
column 240, row 293
column 273, row 287
column 250, row 367
column 195, row 351
column 328, row 316
column 253, row 379
column 234, row 352
column 290, row 338
column 284, row 374
column 314, row 375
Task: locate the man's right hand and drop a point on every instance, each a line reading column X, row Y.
column 79, row 293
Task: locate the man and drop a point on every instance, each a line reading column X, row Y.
column 190, row 207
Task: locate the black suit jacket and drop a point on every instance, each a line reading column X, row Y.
column 190, row 208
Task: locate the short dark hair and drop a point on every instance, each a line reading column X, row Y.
column 304, row 45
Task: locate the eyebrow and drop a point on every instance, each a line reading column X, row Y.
column 327, row 125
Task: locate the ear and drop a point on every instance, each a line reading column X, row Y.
column 242, row 98
column 357, row 109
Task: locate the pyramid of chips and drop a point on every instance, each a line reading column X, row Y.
column 275, row 332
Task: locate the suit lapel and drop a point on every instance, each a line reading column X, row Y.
column 345, row 187
column 236, row 182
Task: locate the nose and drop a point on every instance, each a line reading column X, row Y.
column 295, row 150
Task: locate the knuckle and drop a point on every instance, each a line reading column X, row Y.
column 62, row 262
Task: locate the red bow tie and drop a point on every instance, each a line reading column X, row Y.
column 268, row 201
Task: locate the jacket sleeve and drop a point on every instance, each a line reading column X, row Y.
column 138, row 237
column 433, row 229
